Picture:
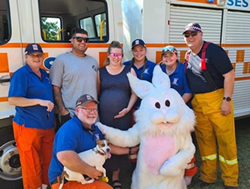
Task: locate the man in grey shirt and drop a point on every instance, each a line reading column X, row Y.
column 73, row 74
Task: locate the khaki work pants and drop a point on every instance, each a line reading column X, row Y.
column 213, row 128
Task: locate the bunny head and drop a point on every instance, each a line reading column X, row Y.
column 162, row 109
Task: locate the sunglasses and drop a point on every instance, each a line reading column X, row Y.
column 193, row 33
column 80, row 39
column 116, row 55
column 169, row 49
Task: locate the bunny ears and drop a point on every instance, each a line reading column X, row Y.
column 160, row 81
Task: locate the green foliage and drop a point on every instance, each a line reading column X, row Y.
column 49, row 29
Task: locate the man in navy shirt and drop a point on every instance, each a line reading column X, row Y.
column 77, row 135
column 211, row 79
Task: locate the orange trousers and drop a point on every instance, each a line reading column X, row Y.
column 77, row 185
column 35, row 151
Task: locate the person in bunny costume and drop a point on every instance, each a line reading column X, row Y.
column 163, row 125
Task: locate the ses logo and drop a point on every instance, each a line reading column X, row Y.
column 238, row 3
column 47, row 63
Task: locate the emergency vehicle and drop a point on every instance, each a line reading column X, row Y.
column 158, row 23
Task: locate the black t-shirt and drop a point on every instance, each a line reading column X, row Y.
column 217, row 63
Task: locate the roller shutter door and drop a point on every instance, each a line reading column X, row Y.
column 237, row 27
column 237, row 32
column 209, row 19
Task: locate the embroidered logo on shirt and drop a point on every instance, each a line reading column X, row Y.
column 175, row 81
column 146, row 71
column 94, row 68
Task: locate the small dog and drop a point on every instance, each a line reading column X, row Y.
column 94, row 157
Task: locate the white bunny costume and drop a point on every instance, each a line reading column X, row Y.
column 163, row 126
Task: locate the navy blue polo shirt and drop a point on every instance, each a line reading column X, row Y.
column 71, row 136
column 147, row 75
column 178, row 79
column 25, row 83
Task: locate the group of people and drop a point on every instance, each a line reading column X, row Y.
column 80, row 90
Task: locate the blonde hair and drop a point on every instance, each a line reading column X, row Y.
column 113, row 44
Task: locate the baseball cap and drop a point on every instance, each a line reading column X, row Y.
column 84, row 99
column 138, row 42
column 193, row 27
column 33, row 48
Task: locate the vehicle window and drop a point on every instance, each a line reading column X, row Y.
column 87, row 24
column 4, row 22
column 59, row 17
column 51, row 28
column 100, row 23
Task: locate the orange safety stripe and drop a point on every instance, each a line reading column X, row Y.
column 105, row 45
column 4, row 63
column 200, row 1
column 53, row 45
column 3, row 99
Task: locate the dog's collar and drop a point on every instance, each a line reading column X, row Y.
column 98, row 152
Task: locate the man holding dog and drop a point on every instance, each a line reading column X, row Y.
column 75, row 136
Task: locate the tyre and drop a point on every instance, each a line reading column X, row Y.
column 10, row 167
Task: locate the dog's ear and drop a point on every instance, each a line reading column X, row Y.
column 98, row 141
column 107, row 140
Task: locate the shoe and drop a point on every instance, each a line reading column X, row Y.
column 188, row 179
column 203, row 183
column 231, row 187
column 116, row 184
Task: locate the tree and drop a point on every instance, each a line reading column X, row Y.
column 49, row 29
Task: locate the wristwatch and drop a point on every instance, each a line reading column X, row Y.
column 226, row 98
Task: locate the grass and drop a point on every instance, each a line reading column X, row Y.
column 243, row 146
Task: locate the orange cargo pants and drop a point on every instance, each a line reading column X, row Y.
column 35, row 151
column 76, row 185
column 213, row 128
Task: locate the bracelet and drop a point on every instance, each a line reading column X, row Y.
column 129, row 151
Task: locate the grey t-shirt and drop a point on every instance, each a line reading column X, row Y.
column 75, row 76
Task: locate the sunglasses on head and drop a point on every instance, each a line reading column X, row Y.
column 169, row 49
column 193, row 33
column 80, row 39
column 116, row 55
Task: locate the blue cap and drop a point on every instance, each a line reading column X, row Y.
column 33, row 48
column 193, row 27
column 138, row 42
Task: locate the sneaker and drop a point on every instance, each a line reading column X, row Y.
column 203, row 183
